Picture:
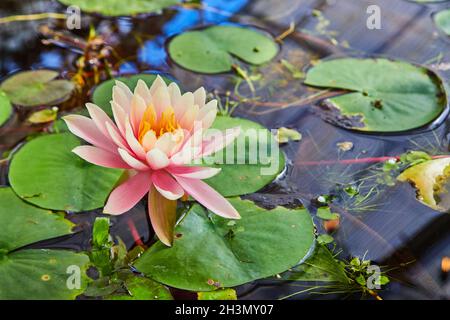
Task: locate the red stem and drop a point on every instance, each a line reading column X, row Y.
column 360, row 160
column 135, row 233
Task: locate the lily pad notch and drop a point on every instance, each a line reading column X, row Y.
column 382, row 95
column 214, row 49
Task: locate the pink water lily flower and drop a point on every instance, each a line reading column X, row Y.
column 155, row 135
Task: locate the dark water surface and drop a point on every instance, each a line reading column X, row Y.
column 391, row 227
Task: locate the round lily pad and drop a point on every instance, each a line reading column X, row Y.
column 210, row 251
column 36, row 88
column 120, row 8
column 211, row 50
column 47, row 173
column 5, row 108
column 384, row 95
column 35, row 273
column 442, row 21
column 249, row 171
column 103, row 93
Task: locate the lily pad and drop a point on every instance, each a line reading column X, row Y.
column 429, row 178
column 120, row 8
column 384, row 95
column 5, row 108
column 37, row 88
column 221, row 294
column 211, row 252
column 245, row 175
column 47, row 173
column 211, row 50
column 35, row 273
column 141, row 288
column 103, row 93
column 321, row 266
column 442, row 21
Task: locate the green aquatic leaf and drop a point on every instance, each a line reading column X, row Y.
column 385, row 95
column 321, row 266
column 103, row 93
column 325, row 213
column 442, row 21
column 429, row 178
column 37, row 88
column 325, row 239
column 120, row 8
column 248, row 171
column 5, row 108
column 46, row 172
column 211, row 252
column 284, row 135
column 220, row 294
column 140, row 288
column 35, row 273
column 211, row 50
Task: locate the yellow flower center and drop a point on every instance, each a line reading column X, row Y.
column 165, row 123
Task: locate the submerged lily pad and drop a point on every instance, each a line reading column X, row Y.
column 35, row 273
column 246, row 175
column 321, row 266
column 103, row 93
column 36, row 88
column 221, row 294
column 120, row 8
column 140, row 288
column 385, row 95
column 5, row 108
column 210, row 251
column 442, row 21
column 47, row 173
column 429, row 178
column 211, row 50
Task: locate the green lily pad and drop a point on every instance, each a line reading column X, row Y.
column 442, row 21
column 37, row 88
column 243, row 176
column 221, row 294
column 211, row 50
column 321, row 266
column 210, row 251
column 385, row 95
column 430, row 179
column 141, row 288
column 47, row 173
column 5, row 108
column 35, row 273
column 103, row 93
column 120, row 8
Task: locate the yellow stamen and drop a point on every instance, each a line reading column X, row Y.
column 165, row 123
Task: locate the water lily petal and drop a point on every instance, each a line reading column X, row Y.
column 157, row 159
column 143, row 91
column 157, row 83
column 208, row 197
column 138, row 107
column 207, row 114
column 189, row 117
column 128, row 194
column 200, row 97
column 193, row 172
column 132, row 161
column 100, row 118
column 86, row 129
column 122, row 95
column 119, row 117
column 219, row 142
column 166, row 185
column 117, row 138
column 162, row 214
column 134, row 144
column 182, row 104
column 149, row 140
column 100, row 157
column 161, row 100
column 174, row 93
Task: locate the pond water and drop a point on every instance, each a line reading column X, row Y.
column 390, row 227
